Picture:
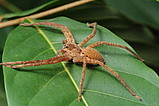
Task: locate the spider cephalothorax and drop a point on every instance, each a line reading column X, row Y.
column 75, row 51
column 77, row 54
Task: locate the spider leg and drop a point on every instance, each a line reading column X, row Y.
column 26, row 62
column 52, row 60
column 63, row 28
column 91, row 61
column 84, row 61
column 82, row 81
column 28, row 65
column 91, row 35
column 117, row 45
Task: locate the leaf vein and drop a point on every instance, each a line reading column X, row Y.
column 46, row 84
column 136, row 76
column 73, row 102
column 25, row 41
column 42, row 53
column 103, row 93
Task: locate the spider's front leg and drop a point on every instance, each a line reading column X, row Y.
column 64, row 29
column 91, row 35
column 53, row 60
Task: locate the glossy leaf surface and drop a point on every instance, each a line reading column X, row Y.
column 57, row 84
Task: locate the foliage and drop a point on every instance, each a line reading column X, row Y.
column 136, row 22
column 48, row 84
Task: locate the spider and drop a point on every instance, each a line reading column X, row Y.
column 77, row 54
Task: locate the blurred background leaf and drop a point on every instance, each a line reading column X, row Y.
column 45, row 5
column 135, row 21
column 141, row 11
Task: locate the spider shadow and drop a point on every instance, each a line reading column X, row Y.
column 36, row 70
column 51, row 29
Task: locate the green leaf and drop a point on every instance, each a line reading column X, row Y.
column 3, row 35
column 24, row 13
column 3, row 100
column 57, row 84
column 142, row 11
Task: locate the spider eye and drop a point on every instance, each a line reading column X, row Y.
column 66, row 46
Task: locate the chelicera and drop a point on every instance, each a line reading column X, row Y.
column 77, row 54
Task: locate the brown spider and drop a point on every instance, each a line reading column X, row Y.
column 74, row 52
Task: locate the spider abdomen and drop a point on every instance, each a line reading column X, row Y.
column 92, row 54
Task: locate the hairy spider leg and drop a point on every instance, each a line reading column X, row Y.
column 64, row 29
column 26, row 62
column 117, row 45
column 91, row 35
column 52, row 60
column 82, row 80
